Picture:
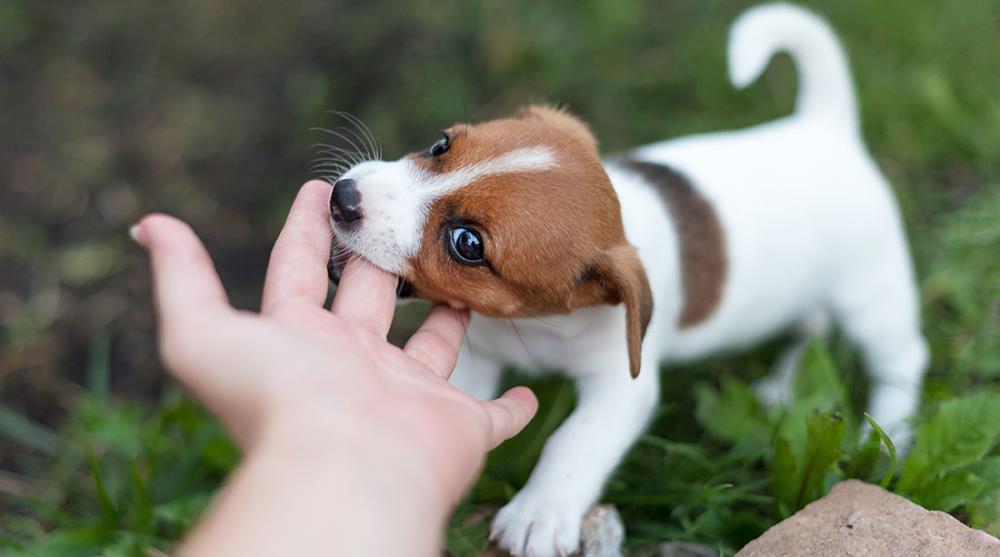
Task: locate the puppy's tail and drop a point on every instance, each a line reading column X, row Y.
column 825, row 88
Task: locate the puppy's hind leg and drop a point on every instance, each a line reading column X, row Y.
column 882, row 319
column 776, row 388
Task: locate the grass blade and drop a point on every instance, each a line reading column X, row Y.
column 18, row 427
column 888, row 446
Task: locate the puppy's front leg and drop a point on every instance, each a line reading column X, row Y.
column 612, row 410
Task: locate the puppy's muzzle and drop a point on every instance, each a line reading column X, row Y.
column 338, row 260
column 345, row 202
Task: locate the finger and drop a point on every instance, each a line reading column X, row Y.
column 510, row 413
column 184, row 278
column 366, row 296
column 297, row 269
column 437, row 342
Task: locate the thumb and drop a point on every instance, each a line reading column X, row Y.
column 510, row 413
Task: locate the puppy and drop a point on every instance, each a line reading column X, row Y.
column 675, row 251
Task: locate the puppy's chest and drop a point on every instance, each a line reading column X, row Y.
column 550, row 343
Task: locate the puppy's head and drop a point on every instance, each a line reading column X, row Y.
column 511, row 218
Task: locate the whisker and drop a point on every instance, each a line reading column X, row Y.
column 521, row 340
column 343, row 137
column 365, row 147
column 360, row 124
column 333, row 148
column 324, row 148
column 357, row 123
column 354, row 154
column 353, row 144
column 328, row 164
column 356, row 131
column 338, row 159
column 548, row 323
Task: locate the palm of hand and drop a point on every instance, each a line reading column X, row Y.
column 298, row 367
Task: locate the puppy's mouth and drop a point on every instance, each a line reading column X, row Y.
column 340, row 255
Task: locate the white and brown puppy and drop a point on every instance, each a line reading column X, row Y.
column 678, row 250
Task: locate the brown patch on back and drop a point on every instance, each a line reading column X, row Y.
column 702, row 241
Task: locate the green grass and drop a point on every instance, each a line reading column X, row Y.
column 204, row 113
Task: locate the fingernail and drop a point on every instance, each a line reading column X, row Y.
column 133, row 232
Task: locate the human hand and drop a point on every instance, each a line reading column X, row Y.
column 300, row 375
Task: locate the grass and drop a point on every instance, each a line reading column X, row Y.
column 101, row 123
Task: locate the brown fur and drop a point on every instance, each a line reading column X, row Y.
column 553, row 239
column 702, row 241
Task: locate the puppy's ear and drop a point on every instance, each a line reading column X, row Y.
column 622, row 278
column 563, row 120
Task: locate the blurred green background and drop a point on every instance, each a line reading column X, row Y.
column 202, row 108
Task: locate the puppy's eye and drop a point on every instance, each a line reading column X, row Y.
column 441, row 147
column 465, row 245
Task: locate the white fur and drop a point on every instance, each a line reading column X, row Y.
column 525, row 159
column 811, row 229
column 398, row 195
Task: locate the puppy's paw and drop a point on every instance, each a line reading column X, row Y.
column 533, row 526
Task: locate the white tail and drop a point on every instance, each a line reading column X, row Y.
column 825, row 88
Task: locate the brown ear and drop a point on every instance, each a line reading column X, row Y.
column 562, row 119
column 623, row 279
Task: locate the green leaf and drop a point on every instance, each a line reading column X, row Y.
column 732, row 414
column 984, row 513
column 962, row 432
column 784, row 480
column 818, row 381
column 109, row 514
column 141, row 509
column 950, row 491
column 99, row 367
column 817, row 388
column 178, row 514
column 862, row 463
column 19, row 428
column 825, row 433
column 818, row 375
column 890, row 447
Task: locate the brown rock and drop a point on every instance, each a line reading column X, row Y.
column 860, row 520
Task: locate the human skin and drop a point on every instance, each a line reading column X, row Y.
column 351, row 446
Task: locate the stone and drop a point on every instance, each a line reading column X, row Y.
column 858, row 520
column 686, row 549
column 602, row 534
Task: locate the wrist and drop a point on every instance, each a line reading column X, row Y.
column 372, row 458
column 297, row 489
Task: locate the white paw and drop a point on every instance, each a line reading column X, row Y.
column 538, row 526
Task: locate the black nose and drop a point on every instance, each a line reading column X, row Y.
column 345, row 202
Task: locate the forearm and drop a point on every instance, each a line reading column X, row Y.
column 286, row 499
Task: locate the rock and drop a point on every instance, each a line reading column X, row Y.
column 685, row 549
column 601, row 535
column 857, row 519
